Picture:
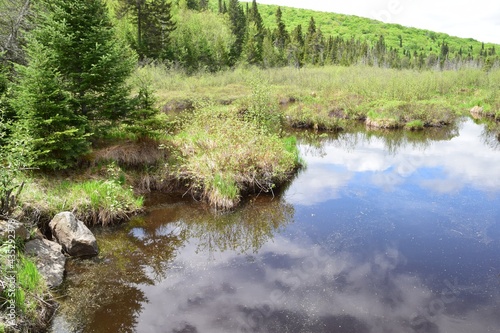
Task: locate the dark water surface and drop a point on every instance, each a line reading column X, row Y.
column 382, row 232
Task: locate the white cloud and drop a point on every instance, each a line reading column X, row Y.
column 461, row 161
column 296, row 284
column 478, row 19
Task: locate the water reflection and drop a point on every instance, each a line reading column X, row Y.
column 107, row 294
column 303, row 287
column 380, row 233
column 440, row 161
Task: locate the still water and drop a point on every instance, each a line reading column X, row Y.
column 381, row 232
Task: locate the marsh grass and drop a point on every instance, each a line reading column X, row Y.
column 94, row 201
column 222, row 156
column 323, row 95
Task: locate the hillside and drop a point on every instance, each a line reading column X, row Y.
column 365, row 29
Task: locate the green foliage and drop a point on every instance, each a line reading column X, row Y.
column 30, row 288
column 74, row 86
column 154, row 23
column 221, row 155
column 415, row 125
column 92, row 62
column 14, row 157
column 103, row 201
column 238, row 28
column 262, row 110
column 56, row 134
column 202, row 42
column 143, row 121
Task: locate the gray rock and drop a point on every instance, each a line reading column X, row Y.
column 20, row 231
column 49, row 260
column 74, row 236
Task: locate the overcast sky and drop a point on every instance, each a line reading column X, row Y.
column 479, row 19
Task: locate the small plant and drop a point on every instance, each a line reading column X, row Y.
column 415, row 125
column 262, row 109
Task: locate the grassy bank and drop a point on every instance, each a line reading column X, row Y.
column 323, row 98
column 222, row 156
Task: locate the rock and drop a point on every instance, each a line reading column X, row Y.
column 49, row 260
column 477, row 110
column 20, row 231
column 75, row 238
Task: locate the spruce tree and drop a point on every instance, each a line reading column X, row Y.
column 238, row 27
column 254, row 35
column 55, row 134
column 92, row 61
column 74, row 83
column 154, row 23
column 157, row 25
column 281, row 34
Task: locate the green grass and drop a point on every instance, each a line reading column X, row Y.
column 325, row 97
column 94, row 201
column 415, row 125
column 221, row 155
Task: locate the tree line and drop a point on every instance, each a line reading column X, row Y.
column 208, row 36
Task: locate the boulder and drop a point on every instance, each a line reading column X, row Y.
column 75, row 238
column 20, row 231
column 49, row 260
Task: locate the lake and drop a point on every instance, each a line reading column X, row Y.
column 380, row 232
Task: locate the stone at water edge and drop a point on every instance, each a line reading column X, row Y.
column 49, row 260
column 477, row 110
column 73, row 235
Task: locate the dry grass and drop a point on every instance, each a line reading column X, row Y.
column 131, row 153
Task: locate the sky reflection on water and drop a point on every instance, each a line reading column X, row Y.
column 372, row 236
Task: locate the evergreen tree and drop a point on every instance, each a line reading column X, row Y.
column 238, row 27
column 154, row 24
column 192, row 4
column 157, row 25
column 74, row 84
column 254, row 35
column 281, row 35
column 296, row 47
column 56, row 135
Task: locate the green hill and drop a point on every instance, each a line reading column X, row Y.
column 364, row 29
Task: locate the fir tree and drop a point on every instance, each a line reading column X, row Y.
column 154, row 24
column 254, row 35
column 157, row 25
column 238, row 27
column 281, row 34
column 56, row 135
column 74, row 83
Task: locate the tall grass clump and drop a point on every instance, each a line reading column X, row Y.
column 94, row 201
column 221, row 156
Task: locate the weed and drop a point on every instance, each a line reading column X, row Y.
column 415, row 125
